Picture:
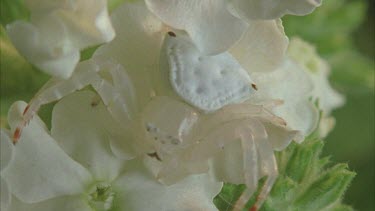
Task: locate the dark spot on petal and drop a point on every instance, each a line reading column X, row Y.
column 154, row 155
column 172, row 34
column 254, row 86
column 95, row 102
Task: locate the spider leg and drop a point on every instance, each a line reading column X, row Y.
column 256, row 152
column 237, row 112
column 269, row 168
column 118, row 95
column 54, row 90
column 250, row 167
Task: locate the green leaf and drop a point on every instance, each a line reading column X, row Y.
column 326, row 190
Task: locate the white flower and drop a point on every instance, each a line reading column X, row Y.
column 58, row 30
column 318, row 70
column 73, row 168
column 292, row 86
column 214, row 26
column 6, row 147
column 228, row 129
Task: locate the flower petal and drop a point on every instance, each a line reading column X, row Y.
column 292, row 85
column 271, row 9
column 280, row 137
column 137, row 45
column 305, row 54
column 87, row 21
column 263, row 46
column 84, row 129
column 58, row 31
column 6, row 148
column 40, row 169
column 45, row 46
column 63, row 203
column 5, row 195
column 138, row 190
column 207, row 82
column 209, row 23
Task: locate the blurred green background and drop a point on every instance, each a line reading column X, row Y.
column 343, row 32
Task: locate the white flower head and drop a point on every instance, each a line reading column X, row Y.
column 55, row 172
column 6, row 148
column 305, row 54
column 292, row 86
column 318, row 70
column 58, row 30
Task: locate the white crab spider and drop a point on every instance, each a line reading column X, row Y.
column 200, row 137
column 184, row 139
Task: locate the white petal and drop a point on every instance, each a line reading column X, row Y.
column 87, row 21
column 45, row 46
column 228, row 166
column 6, row 148
column 138, row 190
column 40, row 169
column 271, row 9
column 280, row 137
column 326, row 125
column 5, row 195
column 137, row 45
column 207, row 82
column 209, row 23
column 263, row 46
column 63, row 203
column 84, row 129
column 305, row 54
column 58, row 30
column 292, row 85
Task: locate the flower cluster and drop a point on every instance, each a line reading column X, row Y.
column 188, row 95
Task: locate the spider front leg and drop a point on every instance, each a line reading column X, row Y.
column 54, row 90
